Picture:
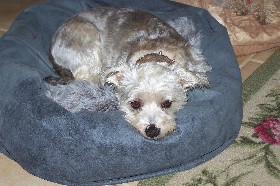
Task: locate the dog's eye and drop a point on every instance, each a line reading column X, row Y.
column 135, row 104
column 166, row 104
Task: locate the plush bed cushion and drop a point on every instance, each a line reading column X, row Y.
column 92, row 148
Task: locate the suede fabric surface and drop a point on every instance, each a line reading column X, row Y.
column 94, row 148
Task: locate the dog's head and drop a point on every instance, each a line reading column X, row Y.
column 150, row 94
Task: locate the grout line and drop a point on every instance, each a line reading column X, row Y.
column 3, row 30
column 246, row 61
column 243, row 64
column 257, row 61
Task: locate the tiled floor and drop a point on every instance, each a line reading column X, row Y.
column 11, row 174
column 248, row 64
column 9, row 10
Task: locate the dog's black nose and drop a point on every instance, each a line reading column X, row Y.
column 152, row 131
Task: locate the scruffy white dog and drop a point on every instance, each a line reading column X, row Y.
column 148, row 62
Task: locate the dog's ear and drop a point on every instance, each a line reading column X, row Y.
column 114, row 78
column 192, row 80
column 189, row 79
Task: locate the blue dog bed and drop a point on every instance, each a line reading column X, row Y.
column 94, row 148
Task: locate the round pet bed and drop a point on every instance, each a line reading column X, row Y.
column 91, row 147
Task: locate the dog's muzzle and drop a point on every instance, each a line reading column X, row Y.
column 152, row 131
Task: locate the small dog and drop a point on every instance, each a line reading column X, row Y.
column 150, row 65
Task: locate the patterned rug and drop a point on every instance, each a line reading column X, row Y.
column 254, row 158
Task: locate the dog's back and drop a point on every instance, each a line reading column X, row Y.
column 98, row 39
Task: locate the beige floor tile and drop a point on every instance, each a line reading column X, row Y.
column 11, row 174
column 135, row 183
column 263, row 56
column 1, row 33
column 11, row 8
column 242, row 59
column 248, row 69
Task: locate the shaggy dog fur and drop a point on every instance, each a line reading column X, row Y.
column 150, row 65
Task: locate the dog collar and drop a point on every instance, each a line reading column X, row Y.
column 155, row 57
